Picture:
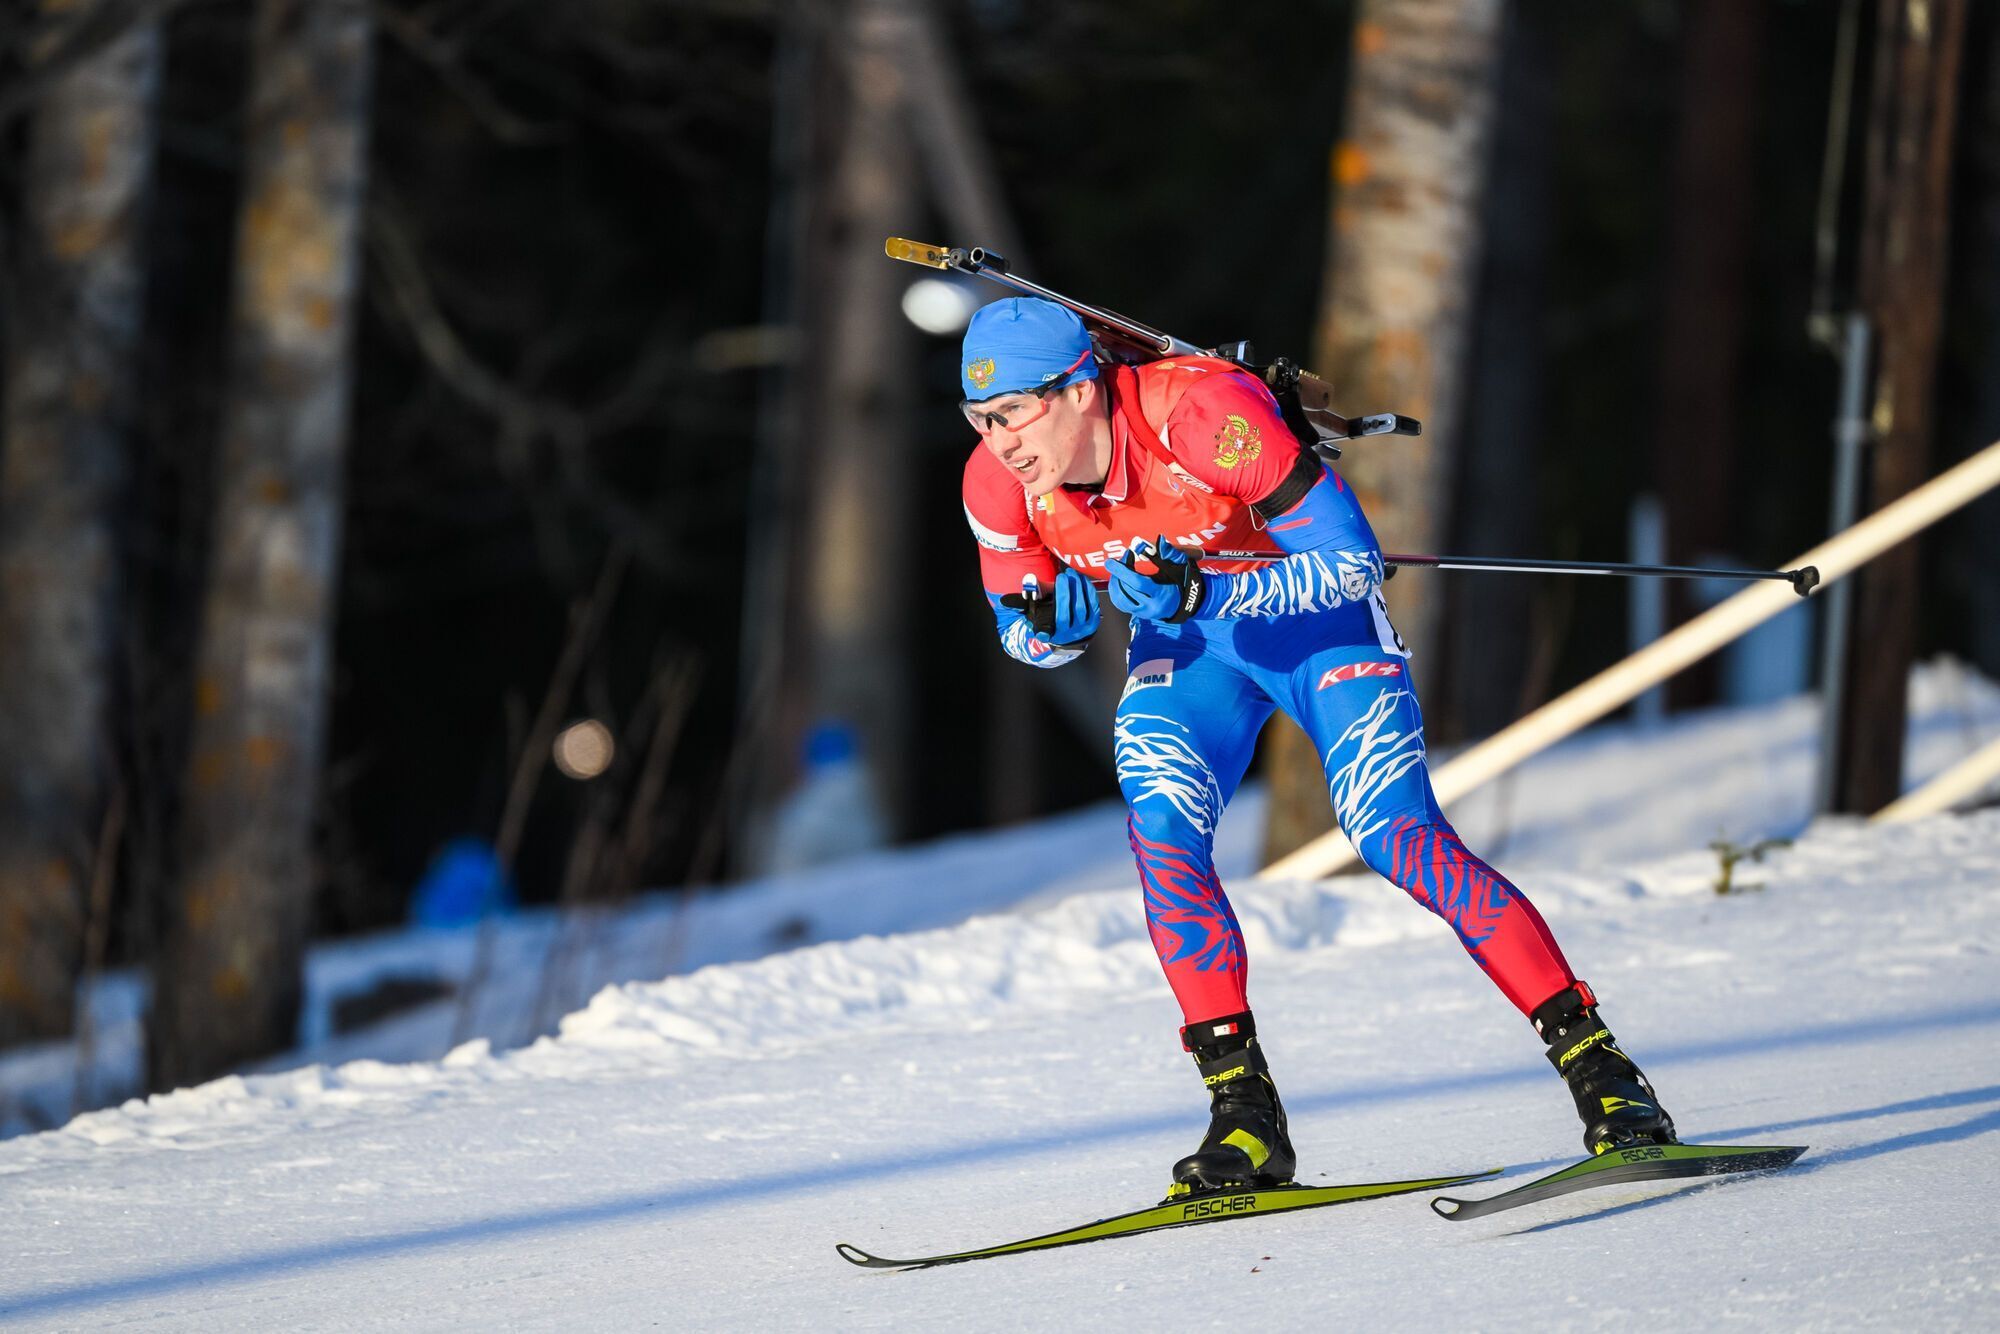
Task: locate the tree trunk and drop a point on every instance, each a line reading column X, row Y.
column 1404, row 239
column 70, row 370
column 1715, row 182
column 1971, row 550
column 1490, row 622
column 1905, row 214
column 228, row 984
column 860, row 392
column 773, row 676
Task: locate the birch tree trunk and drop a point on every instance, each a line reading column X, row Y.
column 228, row 984
column 1395, row 319
column 70, row 368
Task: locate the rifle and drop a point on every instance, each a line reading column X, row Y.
column 1307, row 402
column 1305, row 398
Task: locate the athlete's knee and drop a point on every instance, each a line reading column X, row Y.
column 1382, row 849
column 1170, row 790
column 1187, row 914
column 1427, row 860
column 1152, row 823
column 1413, row 852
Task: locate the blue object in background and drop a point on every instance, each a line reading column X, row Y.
column 830, row 744
column 832, row 813
column 463, row 884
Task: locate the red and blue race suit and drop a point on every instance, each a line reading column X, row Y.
column 1201, row 455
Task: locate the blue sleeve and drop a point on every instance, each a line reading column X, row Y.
column 1334, row 560
column 1017, row 637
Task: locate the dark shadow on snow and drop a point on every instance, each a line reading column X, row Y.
column 322, row 1256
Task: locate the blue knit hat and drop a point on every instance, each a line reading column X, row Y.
column 1023, row 342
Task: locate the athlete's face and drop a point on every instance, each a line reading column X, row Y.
column 1046, row 439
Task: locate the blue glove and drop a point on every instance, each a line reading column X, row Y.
column 1171, row 591
column 1069, row 617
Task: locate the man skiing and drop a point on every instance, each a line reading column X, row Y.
column 1121, row 477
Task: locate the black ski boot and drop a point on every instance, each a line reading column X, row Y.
column 1246, row 1144
column 1618, row 1107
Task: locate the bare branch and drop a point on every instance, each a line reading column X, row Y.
column 523, row 416
column 586, row 621
column 445, row 58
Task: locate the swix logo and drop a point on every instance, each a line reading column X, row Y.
column 1354, row 671
column 1116, row 549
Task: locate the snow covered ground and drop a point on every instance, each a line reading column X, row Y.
column 1613, row 795
column 685, row 1152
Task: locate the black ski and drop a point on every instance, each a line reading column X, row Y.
column 1647, row 1162
column 1210, row 1208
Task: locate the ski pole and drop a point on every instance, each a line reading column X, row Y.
column 1803, row 580
column 1141, row 342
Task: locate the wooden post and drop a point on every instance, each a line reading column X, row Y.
column 1905, row 216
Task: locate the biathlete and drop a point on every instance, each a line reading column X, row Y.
column 1093, row 476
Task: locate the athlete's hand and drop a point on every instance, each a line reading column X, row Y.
column 1171, row 591
column 1070, row 616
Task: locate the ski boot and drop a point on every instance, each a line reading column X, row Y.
column 1618, row 1107
column 1247, row 1144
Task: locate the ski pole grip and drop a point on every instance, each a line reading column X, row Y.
column 1804, row 579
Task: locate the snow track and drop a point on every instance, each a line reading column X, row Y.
column 685, row 1153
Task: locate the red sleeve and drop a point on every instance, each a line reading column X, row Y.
column 1227, row 431
column 997, row 510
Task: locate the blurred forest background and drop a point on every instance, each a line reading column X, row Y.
column 391, row 386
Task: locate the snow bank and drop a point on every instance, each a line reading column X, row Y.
column 963, row 978
column 1565, row 825
column 1096, row 945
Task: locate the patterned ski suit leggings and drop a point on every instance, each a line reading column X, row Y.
column 1196, row 696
